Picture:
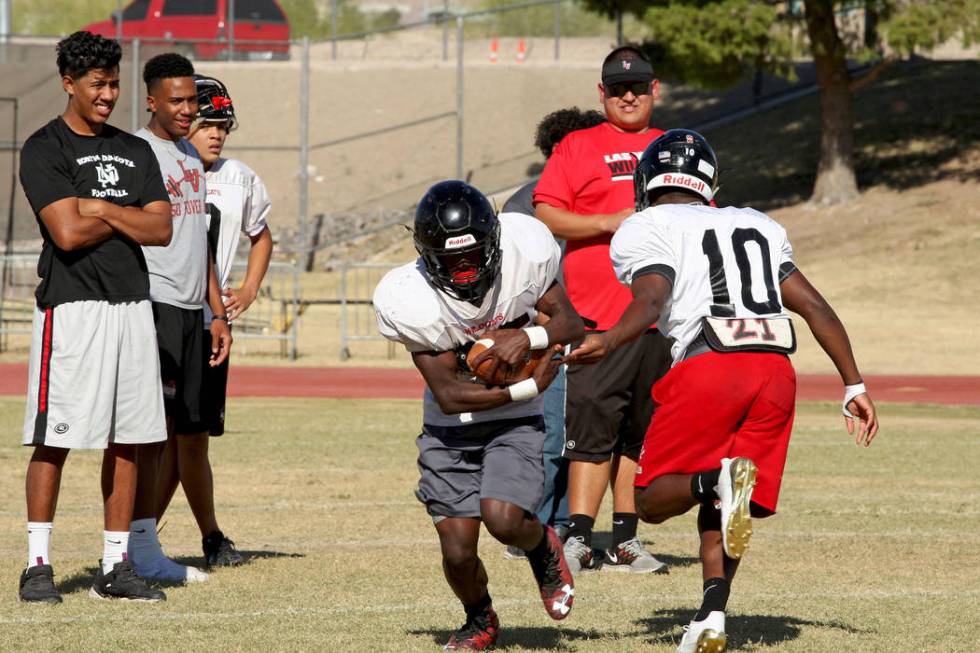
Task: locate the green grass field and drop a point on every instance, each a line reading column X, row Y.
column 873, row 550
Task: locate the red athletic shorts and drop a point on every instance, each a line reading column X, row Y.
column 715, row 406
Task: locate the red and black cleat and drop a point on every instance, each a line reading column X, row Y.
column 554, row 578
column 479, row 633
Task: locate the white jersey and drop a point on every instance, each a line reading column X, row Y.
column 411, row 311
column 726, row 262
column 243, row 207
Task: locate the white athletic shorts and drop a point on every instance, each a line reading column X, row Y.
column 94, row 377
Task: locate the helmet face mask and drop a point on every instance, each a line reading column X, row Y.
column 214, row 103
column 679, row 160
column 457, row 235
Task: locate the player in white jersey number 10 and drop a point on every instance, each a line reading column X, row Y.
column 718, row 280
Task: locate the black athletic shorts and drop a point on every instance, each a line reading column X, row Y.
column 180, row 342
column 214, row 391
column 609, row 405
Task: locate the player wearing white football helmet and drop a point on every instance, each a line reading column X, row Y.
column 718, row 280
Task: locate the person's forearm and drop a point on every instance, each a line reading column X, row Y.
column 214, row 291
column 83, row 232
column 465, row 397
column 564, row 327
column 258, row 262
column 150, row 228
column 829, row 333
column 635, row 320
column 572, row 226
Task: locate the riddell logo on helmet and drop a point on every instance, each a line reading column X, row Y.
column 684, row 180
column 460, row 241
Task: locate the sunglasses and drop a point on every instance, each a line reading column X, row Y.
column 619, row 89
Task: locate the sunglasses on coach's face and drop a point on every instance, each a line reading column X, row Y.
column 619, row 89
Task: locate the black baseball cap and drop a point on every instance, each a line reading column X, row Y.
column 626, row 64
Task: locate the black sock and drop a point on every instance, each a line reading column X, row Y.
column 540, row 549
column 703, row 486
column 715, row 597
column 580, row 526
column 477, row 608
column 624, row 527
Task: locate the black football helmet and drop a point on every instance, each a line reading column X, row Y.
column 680, row 159
column 213, row 102
column 457, row 234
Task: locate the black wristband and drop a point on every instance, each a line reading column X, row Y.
column 220, row 317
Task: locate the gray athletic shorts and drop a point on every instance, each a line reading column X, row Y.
column 493, row 460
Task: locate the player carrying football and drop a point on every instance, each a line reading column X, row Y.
column 480, row 448
column 719, row 281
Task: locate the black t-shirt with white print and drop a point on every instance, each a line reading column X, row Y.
column 114, row 166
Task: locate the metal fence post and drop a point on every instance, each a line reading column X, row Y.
column 459, row 97
column 231, row 30
column 136, row 85
column 344, row 347
column 557, row 29
column 333, row 30
column 304, row 148
column 445, row 30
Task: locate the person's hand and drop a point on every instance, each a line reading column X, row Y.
column 593, row 349
column 611, row 223
column 237, row 301
column 90, row 208
column 547, row 369
column 220, row 342
column 864, row 411
column 510, row 348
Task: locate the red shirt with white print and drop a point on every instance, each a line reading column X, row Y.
column 591, row 172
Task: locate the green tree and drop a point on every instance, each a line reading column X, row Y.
column 715, row 43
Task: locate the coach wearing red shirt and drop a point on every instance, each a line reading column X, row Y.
column 585, row 192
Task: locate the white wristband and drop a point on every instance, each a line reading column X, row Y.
column 851, row 391
column 538, row 336
column 523, row 390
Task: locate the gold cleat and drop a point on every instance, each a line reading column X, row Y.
column 711, row 641
column 735, row 485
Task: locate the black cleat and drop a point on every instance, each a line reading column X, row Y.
column 37, row 585
column 125, row 584
column 219, row 551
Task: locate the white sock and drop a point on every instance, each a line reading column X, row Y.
column 114, row 545
column 38, row 539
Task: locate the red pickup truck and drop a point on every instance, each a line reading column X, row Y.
column 261, row 29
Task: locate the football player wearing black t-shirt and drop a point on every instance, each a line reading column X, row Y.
column 94, row 380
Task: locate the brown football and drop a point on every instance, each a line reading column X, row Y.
column 505, row 374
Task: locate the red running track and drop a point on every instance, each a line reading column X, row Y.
column 382, row 383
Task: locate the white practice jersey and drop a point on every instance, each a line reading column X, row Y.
column 411, row 311
column 726, row 262
column 243, row 206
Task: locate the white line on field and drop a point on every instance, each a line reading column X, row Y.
column 452, row 605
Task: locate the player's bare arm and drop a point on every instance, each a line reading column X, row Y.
column 453, row 394
column 802, row 298
column 572, row 226
column 238, row 300
column 70, row 229
column 151, row 225
column 649, row 294
column 511, row 346
column 220, row 331
column 456, row 395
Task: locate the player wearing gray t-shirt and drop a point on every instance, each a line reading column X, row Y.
column 181, row 278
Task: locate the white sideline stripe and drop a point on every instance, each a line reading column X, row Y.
column 452, row 605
